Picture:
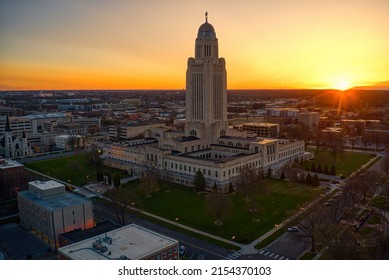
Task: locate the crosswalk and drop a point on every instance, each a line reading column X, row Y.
column 233, row 256
column 272, row 255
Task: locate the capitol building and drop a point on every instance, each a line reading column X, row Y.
column 207, row 144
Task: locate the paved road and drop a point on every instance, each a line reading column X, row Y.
column 289, row 245
column 196, row 248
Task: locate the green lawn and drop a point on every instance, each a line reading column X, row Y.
column 74, row 168
column 280, row 200
column 345, row 162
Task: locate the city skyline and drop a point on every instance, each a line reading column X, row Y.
column 143, row 45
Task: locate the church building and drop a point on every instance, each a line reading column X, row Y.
column 207, row 144
column 13, row 146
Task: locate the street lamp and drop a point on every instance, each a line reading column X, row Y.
column 176, row 219
column 233, row 240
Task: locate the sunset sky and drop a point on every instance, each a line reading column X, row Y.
column 145, row 44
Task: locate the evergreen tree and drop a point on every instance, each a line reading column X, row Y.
column 199, row 181
column 315, row 180
column 230, row 187
column 333, row 171
column 308, row 179
column 319, row 169
column 215, row 188
column 313, row 167
column 326, row 169
column 282, row 177
column 99, row 175
column 116, row 181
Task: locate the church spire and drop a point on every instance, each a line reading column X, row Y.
column 7, row 125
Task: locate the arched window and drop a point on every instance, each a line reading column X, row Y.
column 229, row 144
column 222, row 143
column 247, row 145
column 223, row 132
column 256, row 149
column 238, row 144
column 193, row 133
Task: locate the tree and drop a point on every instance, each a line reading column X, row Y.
column 309, row 225
column 308, row 179
column 94, row 156
column 230, row 187
column 340, row 241
column 219, row 206
column 333, row 171
column 149, row 183
column 313, row 167
column 247, row 178
column 116, row 181
column 123, row 205
column 336, row 211
column 319, row 169
column 326, row 169
column 282, row 177
column 215, row 188
column 99, row 175
column 199, row 181
column 315, row 180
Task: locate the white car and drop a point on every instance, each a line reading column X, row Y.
column 293, row 229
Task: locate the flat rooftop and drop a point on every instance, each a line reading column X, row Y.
column 8, row 163
column 128, row 242
column 46, row 185
column 56, row 202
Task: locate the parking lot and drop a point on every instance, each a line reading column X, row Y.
column 19, row 244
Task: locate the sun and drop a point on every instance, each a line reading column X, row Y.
column 342, row 85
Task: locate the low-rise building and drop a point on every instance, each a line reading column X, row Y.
column 131, row 242
column 49, row 210
column 270, row 130
column 12, row 178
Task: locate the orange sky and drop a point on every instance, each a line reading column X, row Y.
column 96, row 44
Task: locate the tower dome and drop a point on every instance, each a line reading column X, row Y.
column 206, row 30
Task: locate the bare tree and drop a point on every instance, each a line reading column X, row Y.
column 340, row 241
column 122, row 205
column 310, row 226
column 336, row 211
column 219, row 206
column 149, row 182
column 246, row 180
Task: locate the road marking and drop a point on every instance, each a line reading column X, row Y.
column 276, row 256
column 267, row 253
column 227, row 258
column 271, row 255
column 281, row 257
column 287, row 259
column 262, row 252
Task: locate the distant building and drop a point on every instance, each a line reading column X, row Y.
column 269, row 130
column 49, row 210
column 14, row 146
column 12, row 178
column 309, row 119
column 126, row 132
column 131, row 242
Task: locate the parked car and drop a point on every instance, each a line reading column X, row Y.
column 293, row 229
column 181, row 250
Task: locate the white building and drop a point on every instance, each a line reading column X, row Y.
column 131, row 242
column 207, row 144
column 49, row 210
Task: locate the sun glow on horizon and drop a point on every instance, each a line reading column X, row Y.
column 342, row 85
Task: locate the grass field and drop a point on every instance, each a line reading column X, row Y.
column 345, row 162
column 277, row 202
column 74, row 168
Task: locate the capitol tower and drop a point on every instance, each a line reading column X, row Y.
column 206, row 88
